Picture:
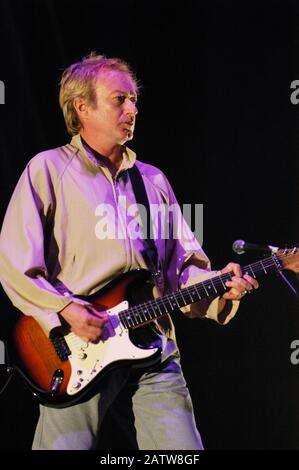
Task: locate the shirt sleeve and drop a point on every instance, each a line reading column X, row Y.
column 23, row 270
column 187, row 264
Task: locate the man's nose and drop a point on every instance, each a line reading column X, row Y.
column 130, row 107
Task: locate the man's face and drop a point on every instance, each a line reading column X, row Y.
column 113, row 119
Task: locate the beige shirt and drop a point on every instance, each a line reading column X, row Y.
column 56, row 239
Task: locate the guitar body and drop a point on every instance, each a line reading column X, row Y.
column 61, row 370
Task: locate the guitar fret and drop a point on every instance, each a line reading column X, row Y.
column 263, row 267
column 208, row 286
column 198, row 294
column 188, row 292
column 169, row 301
column 131, row 318
column 176, row 300
column 175, row 303
column 134, row 320
column 180, row 292
column 159, row 308
column 207, row 294
column 223, row 285
column 143, row 313
column 153, row 309
column 146, row 312
column 138, row 315
column 252, row 272
column 216, row 292
column 192, row 300
column 126, row 321
column 156, row 309
column 164, row 306
column 130, row 322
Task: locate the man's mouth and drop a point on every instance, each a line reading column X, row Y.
column 129, row 125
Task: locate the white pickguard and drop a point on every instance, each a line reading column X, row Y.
column 88, row 359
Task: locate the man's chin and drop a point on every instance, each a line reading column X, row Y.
column 128, row 136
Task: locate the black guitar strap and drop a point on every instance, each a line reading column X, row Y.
column 150, row 250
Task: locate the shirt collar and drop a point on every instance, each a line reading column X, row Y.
column 129, row 157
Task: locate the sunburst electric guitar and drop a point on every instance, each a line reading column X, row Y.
column 63, row 368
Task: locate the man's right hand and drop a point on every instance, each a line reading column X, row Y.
column 85, row 321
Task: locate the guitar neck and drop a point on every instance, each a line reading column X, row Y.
column 143, row 313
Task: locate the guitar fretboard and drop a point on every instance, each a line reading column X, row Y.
column 213, row 287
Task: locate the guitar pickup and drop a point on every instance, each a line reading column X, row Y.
column 61, row 347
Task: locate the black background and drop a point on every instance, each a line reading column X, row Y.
column 215, row 115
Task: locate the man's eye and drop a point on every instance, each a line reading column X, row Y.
column 121, row 99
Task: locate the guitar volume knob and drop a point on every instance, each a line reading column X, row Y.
column 82, row 355
column 76, row 385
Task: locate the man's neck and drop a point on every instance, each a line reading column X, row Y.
column 111, row 157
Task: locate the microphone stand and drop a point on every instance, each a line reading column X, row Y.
column 288, row 283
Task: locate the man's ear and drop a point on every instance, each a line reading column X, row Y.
column 81, row 107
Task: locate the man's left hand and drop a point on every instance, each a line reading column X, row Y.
column 240, row 284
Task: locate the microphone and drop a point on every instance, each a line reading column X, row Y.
column 240, row 247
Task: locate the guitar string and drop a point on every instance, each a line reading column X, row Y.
column 169, row 298
column 258, row 266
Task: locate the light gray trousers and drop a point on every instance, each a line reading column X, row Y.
column 160, row 402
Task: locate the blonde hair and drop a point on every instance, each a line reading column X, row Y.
column 78, row 80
